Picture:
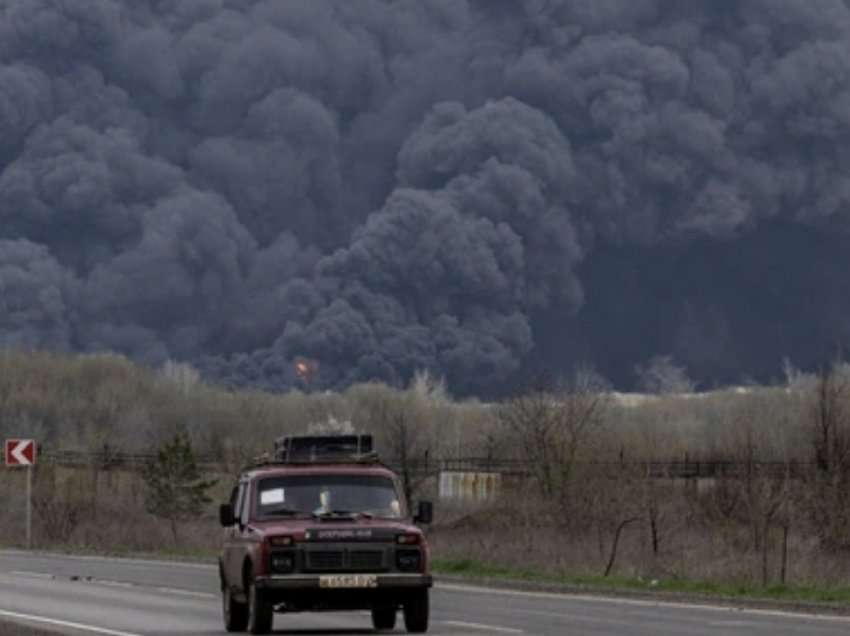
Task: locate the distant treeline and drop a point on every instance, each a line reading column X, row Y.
column 752, row 526
column 87, row 402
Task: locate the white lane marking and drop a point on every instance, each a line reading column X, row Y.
column 31, row 575
column 572, row 616
column 644, row 603
column 174, row 590
column 108, row 583
column 41, row 620
column 123, row 584
column 483, row 628
column 140, row 562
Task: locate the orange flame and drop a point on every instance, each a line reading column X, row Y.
column 305, row 369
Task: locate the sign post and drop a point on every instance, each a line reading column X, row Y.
column 29, row 507
column 21, row 452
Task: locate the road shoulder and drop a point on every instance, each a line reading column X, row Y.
column 521, row 585
column 660, row 596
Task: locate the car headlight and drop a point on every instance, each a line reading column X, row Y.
column 283, row 563
column 408, row 560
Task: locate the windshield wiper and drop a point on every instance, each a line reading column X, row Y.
column 283, row 512
column 342, row 514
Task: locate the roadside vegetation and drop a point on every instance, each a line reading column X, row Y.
column 16, row 629
column 797, row 593
column 586, row 511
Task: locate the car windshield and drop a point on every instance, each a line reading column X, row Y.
column 328, row 495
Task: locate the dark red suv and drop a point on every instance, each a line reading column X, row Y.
column 323, row 528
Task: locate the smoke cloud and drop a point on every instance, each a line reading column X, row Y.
column 478, row 188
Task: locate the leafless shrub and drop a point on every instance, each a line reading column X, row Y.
column 550, row 427
column 400, row 425
column 57, row 517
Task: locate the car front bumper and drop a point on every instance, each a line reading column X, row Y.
column 312, row 581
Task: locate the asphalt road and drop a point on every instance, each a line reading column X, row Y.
column 118, row 597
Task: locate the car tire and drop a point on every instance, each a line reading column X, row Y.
column 383, row 618
column 416, row 613
column 260, row 612
column 235, row 614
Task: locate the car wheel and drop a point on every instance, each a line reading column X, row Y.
column 383, row 618
column 416, row 613
column 235, row 613
column 260, row 612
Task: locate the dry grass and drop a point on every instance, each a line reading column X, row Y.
column 16, row 629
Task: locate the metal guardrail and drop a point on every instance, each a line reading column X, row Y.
column 659, row 469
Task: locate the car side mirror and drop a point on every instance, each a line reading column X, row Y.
column 425, row 513
column 225, row 515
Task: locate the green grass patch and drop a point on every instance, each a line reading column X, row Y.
column 739, row 590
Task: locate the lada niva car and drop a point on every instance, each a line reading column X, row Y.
column 324, row 526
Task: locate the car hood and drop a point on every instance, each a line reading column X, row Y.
column 314, row 530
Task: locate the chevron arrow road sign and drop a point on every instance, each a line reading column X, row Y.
column 20, row 452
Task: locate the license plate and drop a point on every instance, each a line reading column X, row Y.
column 348, row 580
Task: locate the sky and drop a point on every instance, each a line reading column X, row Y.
column 484, row 189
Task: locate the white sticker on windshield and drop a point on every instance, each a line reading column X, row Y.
column 270, row 497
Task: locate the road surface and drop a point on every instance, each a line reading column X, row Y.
column 120, row 597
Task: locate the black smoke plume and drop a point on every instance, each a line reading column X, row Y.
column 479, row 188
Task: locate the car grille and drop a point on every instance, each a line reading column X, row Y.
column 325, row 561
column 366, row 560
column 344, row 561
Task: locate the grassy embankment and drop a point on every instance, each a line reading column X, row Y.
column 475, row 571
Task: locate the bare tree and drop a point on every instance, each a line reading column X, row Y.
column 616, row 542
column 551, row 427
column 830, row 436
column 760, row 448
column 399, row 423
column 59, row 508
column 404, row 444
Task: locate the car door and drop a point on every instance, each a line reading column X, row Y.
column 244, row 535
column 231, row 561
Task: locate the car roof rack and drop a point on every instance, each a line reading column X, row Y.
column 325, row 449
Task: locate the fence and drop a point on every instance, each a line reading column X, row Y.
column 658, row 469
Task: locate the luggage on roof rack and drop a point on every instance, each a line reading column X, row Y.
column 324, row 448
